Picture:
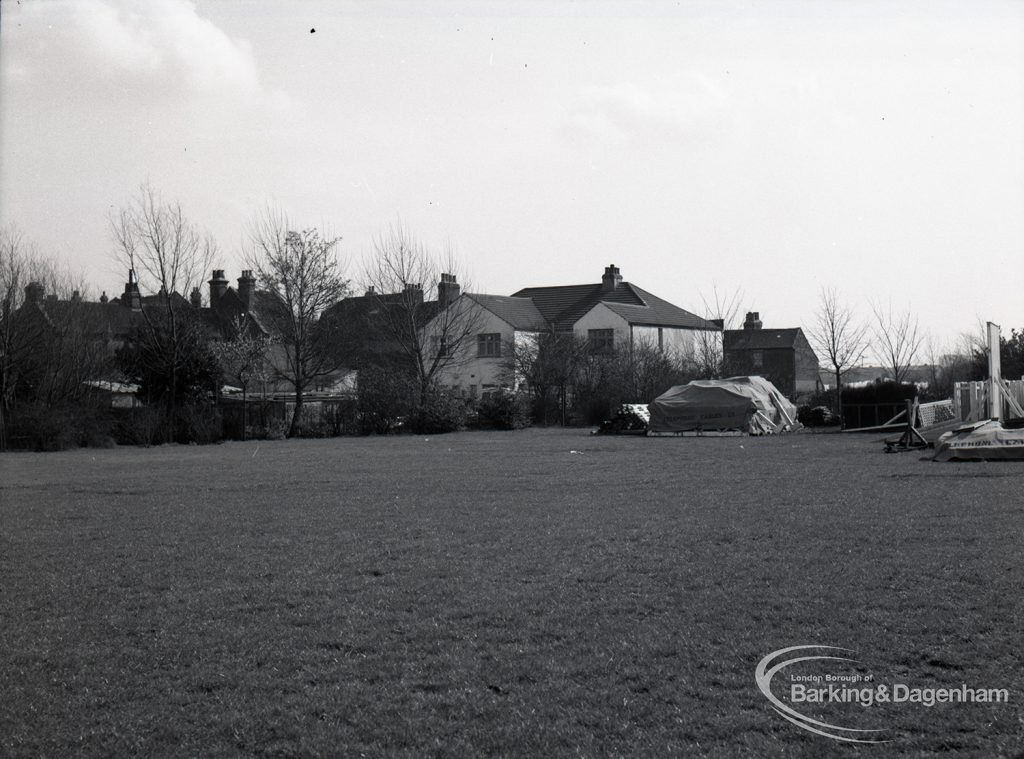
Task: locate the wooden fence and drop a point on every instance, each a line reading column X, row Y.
column 971, row 401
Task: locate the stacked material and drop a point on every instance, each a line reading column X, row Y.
column 629, row 419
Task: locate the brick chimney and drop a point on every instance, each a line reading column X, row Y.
column 448, row 289
column 611, row 278
column 413, row 293
column 246, row 287
column 753, row 321
column 34, row 292
column 132, row 298
column 196, row 298
column 218, row 286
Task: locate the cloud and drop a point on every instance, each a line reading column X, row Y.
column 154, row 48
column 627, row 112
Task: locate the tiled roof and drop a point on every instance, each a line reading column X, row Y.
column 658, row 313
column 564, row 306
column 94, row 318
column 521, row 313
column 760, row 339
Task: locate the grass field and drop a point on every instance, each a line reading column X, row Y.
column 544, row 593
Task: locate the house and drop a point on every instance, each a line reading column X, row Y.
column 367, row 328
column 610, row 314
column 107, row 321
column 264, row 315
column 499, row 323
column 783, row 356
column 58, row 349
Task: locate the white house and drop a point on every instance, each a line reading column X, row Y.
column 500, row 322
column 612, row 313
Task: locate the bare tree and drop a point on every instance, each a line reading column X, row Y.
column 166, row 251
column 50, row 346
column 243, row 357
column 724, row 309
column 301, row 270
column 839, row 337
column 431, row 330
column 166, row 255
column 898, row 339
column 948, row 364
column 18, row 259
column 548, row 363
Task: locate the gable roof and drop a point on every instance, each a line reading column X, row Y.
column 760, row 339
column 521, row 313
column 659, row 313
column 564, row 306
column 264, row 313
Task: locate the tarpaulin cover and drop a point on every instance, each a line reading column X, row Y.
column 751, row 404
column 987, row 441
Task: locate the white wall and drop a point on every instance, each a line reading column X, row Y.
column 677, row 341
column 602, row 317
column 470, row 374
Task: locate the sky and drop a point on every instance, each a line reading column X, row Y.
column 770, row 149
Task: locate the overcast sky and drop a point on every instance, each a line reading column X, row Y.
column 771, row 147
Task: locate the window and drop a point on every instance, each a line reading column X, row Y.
column 441, row 346
column 601, row 340
column 488, row 345
column 757, row 359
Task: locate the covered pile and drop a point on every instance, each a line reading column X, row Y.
column 745, row 404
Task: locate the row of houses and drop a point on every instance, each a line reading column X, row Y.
column 608, row 314
column 617, row 314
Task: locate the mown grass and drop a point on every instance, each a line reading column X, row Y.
column 543, row 593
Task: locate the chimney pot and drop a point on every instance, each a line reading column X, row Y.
column 246, row 287
column 132, row 298
column 34, row 292
column 448, row 289
column 218, row 286
column 611, row 279
column 414, row 292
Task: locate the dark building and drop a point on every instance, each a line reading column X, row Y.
column 782, row 356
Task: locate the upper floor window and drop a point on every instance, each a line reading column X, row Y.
column 601, row 340
column 488, row 345
column 757, row 359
